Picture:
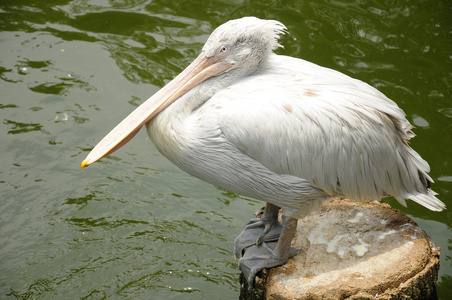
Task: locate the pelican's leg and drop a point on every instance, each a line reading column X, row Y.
column 267, row 255
column 264, row 229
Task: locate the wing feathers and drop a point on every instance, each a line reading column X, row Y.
column 338, row 133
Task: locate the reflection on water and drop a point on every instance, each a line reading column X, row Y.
column 134, row 225
column 16, row 127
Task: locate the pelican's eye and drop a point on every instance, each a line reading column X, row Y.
column 224, row 49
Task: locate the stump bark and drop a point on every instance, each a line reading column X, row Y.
column 352, row 250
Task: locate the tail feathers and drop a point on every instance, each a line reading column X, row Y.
column 427, row 200
column 401, row 201
column 426, row 180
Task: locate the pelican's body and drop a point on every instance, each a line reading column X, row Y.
column 293, row 134
column 278, row 129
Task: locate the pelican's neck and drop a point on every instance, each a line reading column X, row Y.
column 200, row 94
column 170, row 130
column 197, row 96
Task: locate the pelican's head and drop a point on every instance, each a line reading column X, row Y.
column 244, row 43
column 241, row 46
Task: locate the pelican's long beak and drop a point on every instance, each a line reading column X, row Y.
column 199, row 70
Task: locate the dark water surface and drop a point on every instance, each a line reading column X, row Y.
column 133, row 226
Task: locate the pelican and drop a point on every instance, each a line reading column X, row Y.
column 278, row 129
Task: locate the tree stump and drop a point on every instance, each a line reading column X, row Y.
column 352, row 250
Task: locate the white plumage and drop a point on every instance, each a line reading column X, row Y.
column 278, row 129
column 293, row 132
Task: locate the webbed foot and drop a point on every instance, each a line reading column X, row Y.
column 258, row 257
column 255, row 232
column 267, row 253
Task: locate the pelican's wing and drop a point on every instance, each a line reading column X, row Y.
column 338, row 133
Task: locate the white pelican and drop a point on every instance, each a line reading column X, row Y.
column 278, row 129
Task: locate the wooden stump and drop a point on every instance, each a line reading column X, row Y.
column 354, row 250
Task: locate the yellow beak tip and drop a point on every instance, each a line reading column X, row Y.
column 84, row 163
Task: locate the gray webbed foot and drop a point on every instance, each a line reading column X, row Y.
column 263, row 251
column 255, row 232
column 258, row 230
column 259, row 257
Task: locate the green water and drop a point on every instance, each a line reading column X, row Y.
column 133, row 226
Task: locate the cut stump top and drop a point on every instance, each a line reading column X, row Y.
column 353, row 250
